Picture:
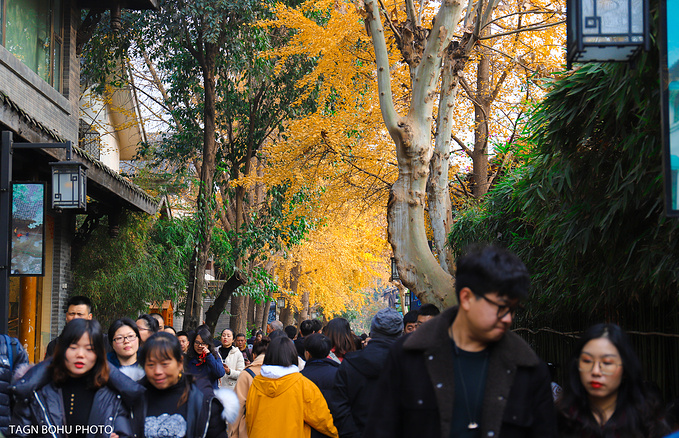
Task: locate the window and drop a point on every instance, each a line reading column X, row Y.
column 32, row 31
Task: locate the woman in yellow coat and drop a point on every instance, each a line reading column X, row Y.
column 282, row 402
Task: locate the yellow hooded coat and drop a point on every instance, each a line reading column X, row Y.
column 287, row 407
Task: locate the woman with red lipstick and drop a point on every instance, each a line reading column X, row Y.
column 605, row 396
column 75, row 391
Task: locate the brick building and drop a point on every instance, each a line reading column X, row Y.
column 39, row 103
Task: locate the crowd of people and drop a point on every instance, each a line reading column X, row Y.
column 459, row 373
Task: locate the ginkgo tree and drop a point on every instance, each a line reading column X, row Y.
column 338, row 260
column 418, row 55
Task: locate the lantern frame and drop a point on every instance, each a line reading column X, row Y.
column 669, row 77
column 394, row 270
column 63, row 173
column 590, row 39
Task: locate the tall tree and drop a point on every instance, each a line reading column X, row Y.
column 419, row 68
column 205, row 59
column 431, row 54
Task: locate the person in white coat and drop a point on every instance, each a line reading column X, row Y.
column 232, row 358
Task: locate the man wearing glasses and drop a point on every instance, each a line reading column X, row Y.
column 464, row 374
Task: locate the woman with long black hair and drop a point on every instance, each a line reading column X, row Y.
column 339, row 332
column 75, row 390
column 175, row 404
column 202, row 359
column 604, row 396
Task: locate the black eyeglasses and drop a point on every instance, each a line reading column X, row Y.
column 502, row 309
column 122, row 339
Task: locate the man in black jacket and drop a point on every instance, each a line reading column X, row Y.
column 76, row 307
column 464, row 374
column 357, row 377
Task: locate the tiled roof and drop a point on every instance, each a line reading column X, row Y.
column 89, row 159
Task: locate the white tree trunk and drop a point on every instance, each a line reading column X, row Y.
column 418, row 269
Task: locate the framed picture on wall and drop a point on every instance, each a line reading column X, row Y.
column 27, row 233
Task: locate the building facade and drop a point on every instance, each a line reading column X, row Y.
column 39, row 103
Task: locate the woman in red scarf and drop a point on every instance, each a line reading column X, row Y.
column 202, row 360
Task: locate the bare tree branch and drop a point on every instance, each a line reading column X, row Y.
column 531, row 12
column 410, row 12
column 462, row 145
column 469, row 195
column 389, row 113
column 388, row 18
column 525, row 29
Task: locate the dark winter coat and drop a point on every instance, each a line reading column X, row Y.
column 39, row 403
column 7, row 369
column 356, row 385
column 203, row 413
column 416, row 390
column 299, row 345
column 322, row 373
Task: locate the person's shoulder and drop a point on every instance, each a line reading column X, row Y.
column 35, row 378
column 515, row 349
column 125, row 386
column 308, row 384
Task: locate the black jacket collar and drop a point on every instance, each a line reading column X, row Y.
column 434, row 333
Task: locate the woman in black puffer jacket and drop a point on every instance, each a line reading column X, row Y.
column 175, row 404
column 76, row 393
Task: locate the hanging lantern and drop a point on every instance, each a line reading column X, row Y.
column 394, row 270
column 606, row 30
column 69, row 185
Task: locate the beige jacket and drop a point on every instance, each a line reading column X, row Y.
column 239, row 428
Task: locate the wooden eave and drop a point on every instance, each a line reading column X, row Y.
column 124, row 4
column 103, row 183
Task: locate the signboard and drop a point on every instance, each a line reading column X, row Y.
column 27, row 251
column 670, row 104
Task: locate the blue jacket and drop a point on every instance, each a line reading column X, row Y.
column 19, row 357
column 212, row 369
column 322, row 373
